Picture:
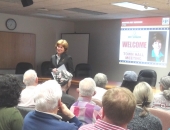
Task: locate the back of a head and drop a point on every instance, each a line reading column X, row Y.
column 100, row 80
column 130, row 76
column 165, row 83
column 10, row 89
column 129, row 80
column 47, row 96
column 119, row 105
column 144, row 95
column 29, row 77
column 142, row 92
column 62, row 77
column 87, row 87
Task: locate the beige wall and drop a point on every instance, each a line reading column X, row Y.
column 47, row 31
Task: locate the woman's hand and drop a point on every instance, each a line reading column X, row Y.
column 54, row 70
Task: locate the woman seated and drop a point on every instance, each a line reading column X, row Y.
column 162, row 99
column 10, row 117
column 142, row 119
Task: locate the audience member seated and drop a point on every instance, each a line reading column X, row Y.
column 64, row 77
column 101, row 81
column 114, row 114
column 129, row 80
column 10, row 117
column 47, row 103
column 85, row 109
column 162, row 99
column 30, row 79
column 142, row 119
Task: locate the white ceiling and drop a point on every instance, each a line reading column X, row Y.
column 58, row 8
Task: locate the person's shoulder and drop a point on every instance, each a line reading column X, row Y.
column 158, row 96
column 87, row 127
column 69, row 97
column 67, row 126
column 155, row 122
column 53, row 56
column 10, row 110
column 154, row 118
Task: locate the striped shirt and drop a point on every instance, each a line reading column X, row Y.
column 101, row 125
column 86, row 110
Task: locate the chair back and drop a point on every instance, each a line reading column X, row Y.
column 83, row 70
column 22, row 67
column 148, row 76
column 163, row 115
column 24, row 110
column 169, row 74
column 45, row 72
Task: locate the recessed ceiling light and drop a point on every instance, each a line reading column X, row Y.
column 49, row 15
column 134, row 6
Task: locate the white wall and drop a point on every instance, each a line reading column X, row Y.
column 47, row 32
column 104, row 49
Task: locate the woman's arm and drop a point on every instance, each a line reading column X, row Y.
column 70, row 65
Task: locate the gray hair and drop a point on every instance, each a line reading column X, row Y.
column 100, row 80
column 47, row 96
column 87, row 87
column 165, row 83
column 29, row 77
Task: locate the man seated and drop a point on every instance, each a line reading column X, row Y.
column 64, row 77
column 101, row 81
column 47, row 103
column 118, row 109
column 30, row 79
column 84, row 109
column 129, row 80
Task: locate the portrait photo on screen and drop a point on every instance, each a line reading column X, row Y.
column 156, row 47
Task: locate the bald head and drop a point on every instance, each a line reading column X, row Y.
column 30, row 78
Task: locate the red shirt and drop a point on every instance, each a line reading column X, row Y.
column 100, row 125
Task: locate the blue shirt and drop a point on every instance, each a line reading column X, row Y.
column 157, row 58
column 35, row 120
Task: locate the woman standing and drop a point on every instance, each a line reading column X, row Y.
column 61, row 57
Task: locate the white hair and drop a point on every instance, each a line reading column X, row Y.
column 87, row 87
column 29, row 77
column 47, row 96
column 100, row 80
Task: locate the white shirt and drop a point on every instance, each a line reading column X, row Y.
column 99, row 93
column 27, row 97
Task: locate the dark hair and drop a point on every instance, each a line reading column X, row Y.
column 10, row 89
column 158, row 36
column 129, row 84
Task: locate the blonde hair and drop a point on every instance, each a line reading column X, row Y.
column 62, row 42
column 144, row 96
column 119, row 105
